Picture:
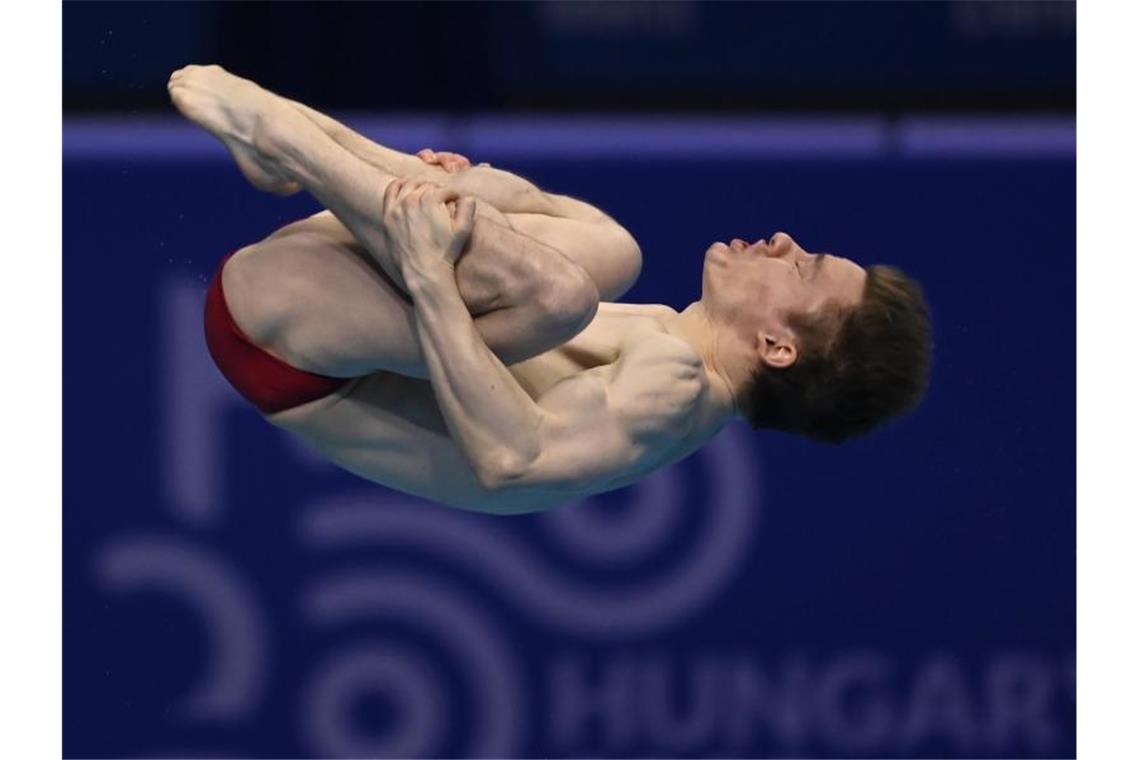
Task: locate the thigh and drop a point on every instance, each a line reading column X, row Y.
column 321, row 304
column 389, row 429
column 604, row 249
column 608, row 253
column 496, row 272
column 316, row 298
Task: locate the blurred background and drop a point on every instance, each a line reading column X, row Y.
column 911, row 594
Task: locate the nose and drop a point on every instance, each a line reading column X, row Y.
column 780, row 244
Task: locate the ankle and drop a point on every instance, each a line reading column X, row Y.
column 276, row 134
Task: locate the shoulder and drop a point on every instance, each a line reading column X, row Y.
column 659, row 381
column 654, row 311
column 657, row 348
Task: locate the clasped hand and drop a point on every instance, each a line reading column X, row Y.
column 427, row 227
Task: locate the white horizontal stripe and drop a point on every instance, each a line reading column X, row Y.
column 161, row 138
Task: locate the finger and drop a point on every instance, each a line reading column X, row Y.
column 427, row 154
column 467, row 208
column 462, row 226
column 434, row 200
column 459, row 161
column 391, row 193
column 465, row 215
column 447, row 200
column 444, row 194
column 454, row 156
column 422, row 189
column 407, row 188
column 454, row 159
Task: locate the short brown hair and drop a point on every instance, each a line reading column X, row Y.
column 855, row 368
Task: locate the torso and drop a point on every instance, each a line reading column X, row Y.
column 388, row 428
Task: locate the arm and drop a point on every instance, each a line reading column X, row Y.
column 492, row 419
column 575, row 436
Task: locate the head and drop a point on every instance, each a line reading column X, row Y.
column 817, row 345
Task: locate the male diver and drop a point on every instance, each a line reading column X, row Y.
column 450, row 330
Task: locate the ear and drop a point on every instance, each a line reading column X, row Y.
column 777, row 351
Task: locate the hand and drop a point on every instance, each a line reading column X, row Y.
column 450, row 162
column 426, row 227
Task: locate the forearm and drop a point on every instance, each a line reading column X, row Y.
column 494, row 421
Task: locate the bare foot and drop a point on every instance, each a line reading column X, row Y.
column 232, row 109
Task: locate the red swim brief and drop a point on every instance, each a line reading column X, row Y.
column 266, row 382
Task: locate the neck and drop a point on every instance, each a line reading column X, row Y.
column 695, row 328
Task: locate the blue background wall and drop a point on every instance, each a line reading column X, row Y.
column 1004, row 55
column 909, row 594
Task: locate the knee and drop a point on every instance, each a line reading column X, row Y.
column 568, row 300
column 624, row 267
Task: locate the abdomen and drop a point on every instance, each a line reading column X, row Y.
column 388, row 429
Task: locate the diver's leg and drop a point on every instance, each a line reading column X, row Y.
column 322, row 304
column 526, row 299
column 582, row 232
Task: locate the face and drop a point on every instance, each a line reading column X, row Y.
column 754, row 287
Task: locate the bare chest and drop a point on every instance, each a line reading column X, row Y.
column 594, row 348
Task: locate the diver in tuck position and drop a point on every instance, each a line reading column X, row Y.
column 449, row 330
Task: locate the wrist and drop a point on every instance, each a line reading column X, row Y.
column 428, row 276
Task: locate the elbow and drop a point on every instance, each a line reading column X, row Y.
column 501, row 470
